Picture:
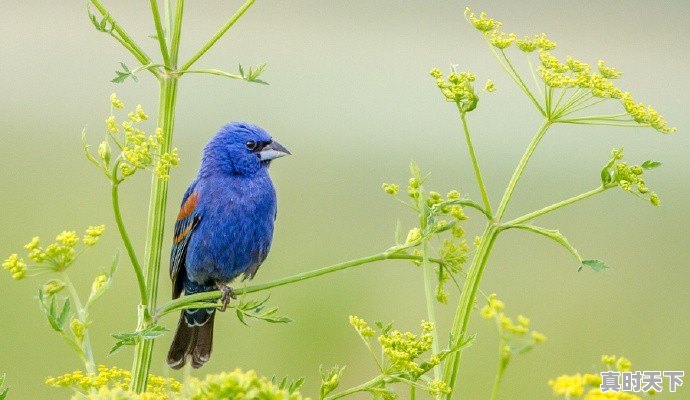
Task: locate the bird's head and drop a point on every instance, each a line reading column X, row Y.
column 240, row 149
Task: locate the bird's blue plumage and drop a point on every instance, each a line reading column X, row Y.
column 224, row 228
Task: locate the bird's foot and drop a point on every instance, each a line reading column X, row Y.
column 228, row 294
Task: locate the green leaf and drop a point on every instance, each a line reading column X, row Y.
column 294, row 386
column 3, row 392
column 595, row 265
column 554, row 235
column 133, row 338
column 64, row 314
column 253, row 74
column 257, row 309
column 121, row 76
column 101, row 25
column 651, row 164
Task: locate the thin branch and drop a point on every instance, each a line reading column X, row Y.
column 218, row 34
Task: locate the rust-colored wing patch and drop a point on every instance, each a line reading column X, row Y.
column 188, row 206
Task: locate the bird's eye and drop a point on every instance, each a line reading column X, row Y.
column 251, row 145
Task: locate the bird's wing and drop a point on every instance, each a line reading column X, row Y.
column 187, row 219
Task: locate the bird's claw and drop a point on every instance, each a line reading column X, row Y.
column 228, row 294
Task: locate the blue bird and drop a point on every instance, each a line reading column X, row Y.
column 224, row 229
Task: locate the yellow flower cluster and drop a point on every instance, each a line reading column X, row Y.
column 53, row 286
column 139, row 150
column 494, row 309
column 540, row 42
column 630, row 176
column 458, row 87
column 16, row 266
column 402, row 349
column 588, row 384
column 57, row 256
column 236, row 385
column 645, row 114
column 115, row 101
column 113, row 380
column 390, row 188
column 438, row 387
column 483, row 23
column 556, row 74
column 361, row 326
column 93, row 233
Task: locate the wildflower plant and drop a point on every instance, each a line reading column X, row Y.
column 561, row 90
column 586, row 386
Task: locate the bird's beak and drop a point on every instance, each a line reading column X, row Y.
column 273, row 150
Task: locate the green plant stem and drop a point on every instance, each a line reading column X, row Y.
column 160, row 33
column 218, row 34
column 555, row 206
column 123, row 37
column 520, row 169
column 128, row 243
column 85, row 344
column 179, row 303
column 502, row 364
column 154, row 236
column 475, row 164
column 176, row 34
column 430, row 299
column 512, row 72
column 466, row 303
column 359, row 388
column 474, row 276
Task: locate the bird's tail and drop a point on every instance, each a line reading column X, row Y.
column 193, row 338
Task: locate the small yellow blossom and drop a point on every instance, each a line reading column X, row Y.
column 608, row 360
column 16, row 266
column 623, row 364
column 390, row 188
column 501, row 40
column 140, row 113
column 608, row 72
column 490, row 87
column 567, row 385
column 413, row 236
column 115, row 101
column 53, row 286
column 453, row 194
column 522, row 320
column 98, row 283
column 487, row 312
column 112, row 125
column 527, row 45
column 483, row 23
column 538, row 337
column 438, row 387
column 592, row 379
column 544, row 43
column 113, row 384
column 33, row 244
column 236, row 385
column 78, row 329
column 361, row 326
column 67, row 238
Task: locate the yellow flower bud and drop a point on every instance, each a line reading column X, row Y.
column 115, row 101
column 390, row 188
column 78, row 329
column 33, row 244
column 104, row 151
column 53, row 286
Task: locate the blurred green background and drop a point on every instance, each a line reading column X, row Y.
column 350, row 96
